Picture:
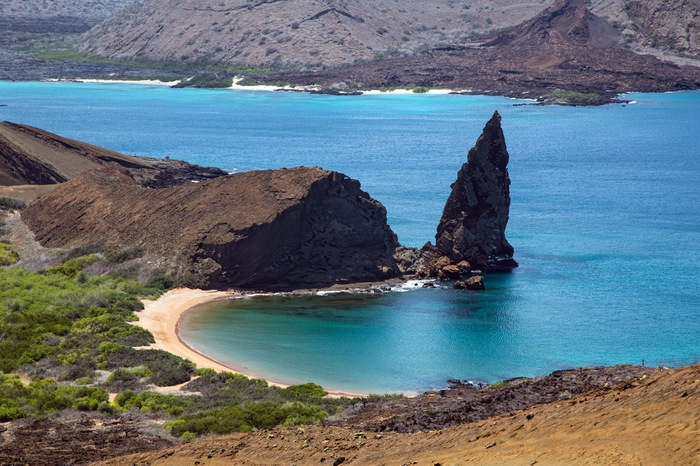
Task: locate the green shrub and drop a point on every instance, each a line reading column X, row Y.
column 420, row 90
column 161, row 282
column 11, row 203
column 153, row 402
column 125, row 254
column 571, row 97
column 167, row 369
column 264, row 415
column 72, row 266
column 305, row 392
column 8, row 256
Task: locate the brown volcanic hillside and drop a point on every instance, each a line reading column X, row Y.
column 565, row 47
column 652, row 421
column 292, row 33
column 301, row 227
column 287, row 33
column 671, row 26
column 59, row 16
column 90, row 9
column 32, row 156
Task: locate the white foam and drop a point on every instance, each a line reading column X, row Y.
column 411, row 285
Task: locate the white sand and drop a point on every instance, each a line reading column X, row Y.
column 257, row 87
column 153, row 82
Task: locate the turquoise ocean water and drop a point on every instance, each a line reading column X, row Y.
column 604, row 221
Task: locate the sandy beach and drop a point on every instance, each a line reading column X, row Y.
column 161, row 318
column 258, row 87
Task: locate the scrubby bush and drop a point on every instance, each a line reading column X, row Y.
column 44, row 396
column 125, row 254
column 264, row 415
column 162, row 282
column 11, row 203
column 8, row 256
column 72, row 266
column 166, row 368
column 305, row 392
column 153, row 402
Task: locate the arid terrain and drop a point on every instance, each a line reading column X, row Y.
column 652, row 420
column 621, row 414
column 565, row 47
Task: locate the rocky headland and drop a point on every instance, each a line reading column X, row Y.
column 270, row 229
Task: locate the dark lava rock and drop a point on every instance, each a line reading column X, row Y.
column 463, row 403
column 269, row 229
column 473, row 223
column 459, row 285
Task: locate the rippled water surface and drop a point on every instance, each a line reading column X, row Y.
column 604, row 221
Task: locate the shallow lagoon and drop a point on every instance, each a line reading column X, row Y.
column 604, row 221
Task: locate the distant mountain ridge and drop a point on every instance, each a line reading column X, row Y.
column 292, row 33
column 311, row 33
column 565, row 47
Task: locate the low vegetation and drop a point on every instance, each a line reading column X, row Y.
column 61, row 47
column 574, row 98
column 67, row 341
column 206, row 81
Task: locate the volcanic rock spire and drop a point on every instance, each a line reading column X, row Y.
column 474, row 220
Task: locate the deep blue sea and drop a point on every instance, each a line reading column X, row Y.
column 604, row 220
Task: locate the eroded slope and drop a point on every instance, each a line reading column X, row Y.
column 271, row 229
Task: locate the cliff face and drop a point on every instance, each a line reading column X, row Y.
column 31, row 155
column 473, row 223
column 272, row 229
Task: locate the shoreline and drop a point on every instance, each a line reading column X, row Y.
column 258, row 87
column 162, row 318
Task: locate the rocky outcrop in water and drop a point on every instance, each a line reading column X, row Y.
column 271, row 229
column 473, row 223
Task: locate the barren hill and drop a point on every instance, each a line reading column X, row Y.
column 295, row 228
column 55, row 16
column 670, row 26
column 32, row 156
column 287, row 33
column 295, row 33
column 652, row 421
column 564, row 47
column 84, row 9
